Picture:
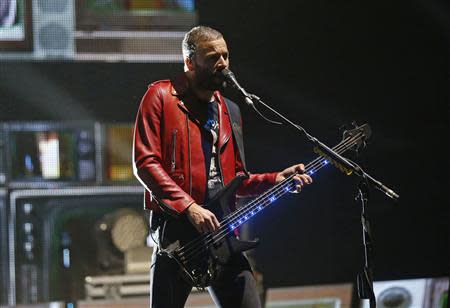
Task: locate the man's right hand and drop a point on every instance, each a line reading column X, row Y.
column 202, row 219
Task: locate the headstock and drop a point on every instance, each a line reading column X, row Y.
column 359, row 135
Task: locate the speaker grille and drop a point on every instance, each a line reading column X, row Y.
column 52, row 6
column 54, row 36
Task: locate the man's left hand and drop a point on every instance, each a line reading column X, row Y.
column 300, row 178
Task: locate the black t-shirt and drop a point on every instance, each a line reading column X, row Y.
column 214, row 183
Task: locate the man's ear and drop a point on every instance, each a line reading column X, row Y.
column 189, row 63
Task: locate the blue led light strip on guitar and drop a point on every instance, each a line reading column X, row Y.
column 236, row 219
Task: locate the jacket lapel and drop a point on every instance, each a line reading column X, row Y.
column 224, row 122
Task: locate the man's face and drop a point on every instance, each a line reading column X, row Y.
column 210, row 58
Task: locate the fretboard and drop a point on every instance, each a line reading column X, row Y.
column 250, row 209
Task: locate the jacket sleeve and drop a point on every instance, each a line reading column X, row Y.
column 147, row 156
column 256, row 183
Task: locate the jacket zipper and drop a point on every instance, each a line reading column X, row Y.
column 189, row 153
column 174, row 144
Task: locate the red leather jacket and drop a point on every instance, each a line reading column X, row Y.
column 168, row 156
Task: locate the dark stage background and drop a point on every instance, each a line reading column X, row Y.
column 324, row 64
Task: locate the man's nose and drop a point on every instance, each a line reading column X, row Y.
column 222, row 63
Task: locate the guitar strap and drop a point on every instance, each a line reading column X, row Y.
column 236, row 125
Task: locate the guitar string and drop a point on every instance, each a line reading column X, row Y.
column 317, row 163
column 206, row 239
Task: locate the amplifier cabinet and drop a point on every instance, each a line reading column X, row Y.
column 59, row 237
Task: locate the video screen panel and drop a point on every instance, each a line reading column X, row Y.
column 12, row 26
column 118, row 152
column 50, row 152
column 48, row 155
column 95, row 30
column 139, row 5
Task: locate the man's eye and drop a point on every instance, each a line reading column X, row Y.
column 215, row 58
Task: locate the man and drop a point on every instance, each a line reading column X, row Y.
column 187, row 146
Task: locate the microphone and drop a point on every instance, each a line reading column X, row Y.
column 231, row 80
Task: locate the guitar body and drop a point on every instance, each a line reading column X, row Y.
column 201, row 257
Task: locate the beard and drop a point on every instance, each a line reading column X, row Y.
column 209, row 80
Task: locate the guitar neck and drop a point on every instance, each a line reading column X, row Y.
column 249, row 210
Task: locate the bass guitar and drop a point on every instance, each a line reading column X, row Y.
column 201, row 256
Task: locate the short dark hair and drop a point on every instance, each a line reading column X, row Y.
column 196, row 35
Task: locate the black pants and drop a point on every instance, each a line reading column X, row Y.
column 236, row 288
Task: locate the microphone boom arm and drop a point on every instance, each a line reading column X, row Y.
column 249, row 98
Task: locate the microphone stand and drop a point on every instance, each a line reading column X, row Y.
column 364, row 279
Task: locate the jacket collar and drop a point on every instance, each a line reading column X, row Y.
column 180, row 89
column 180, row 85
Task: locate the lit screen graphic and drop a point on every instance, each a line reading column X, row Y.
column 11, row 20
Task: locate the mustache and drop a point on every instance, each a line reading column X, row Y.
column 219, row 75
